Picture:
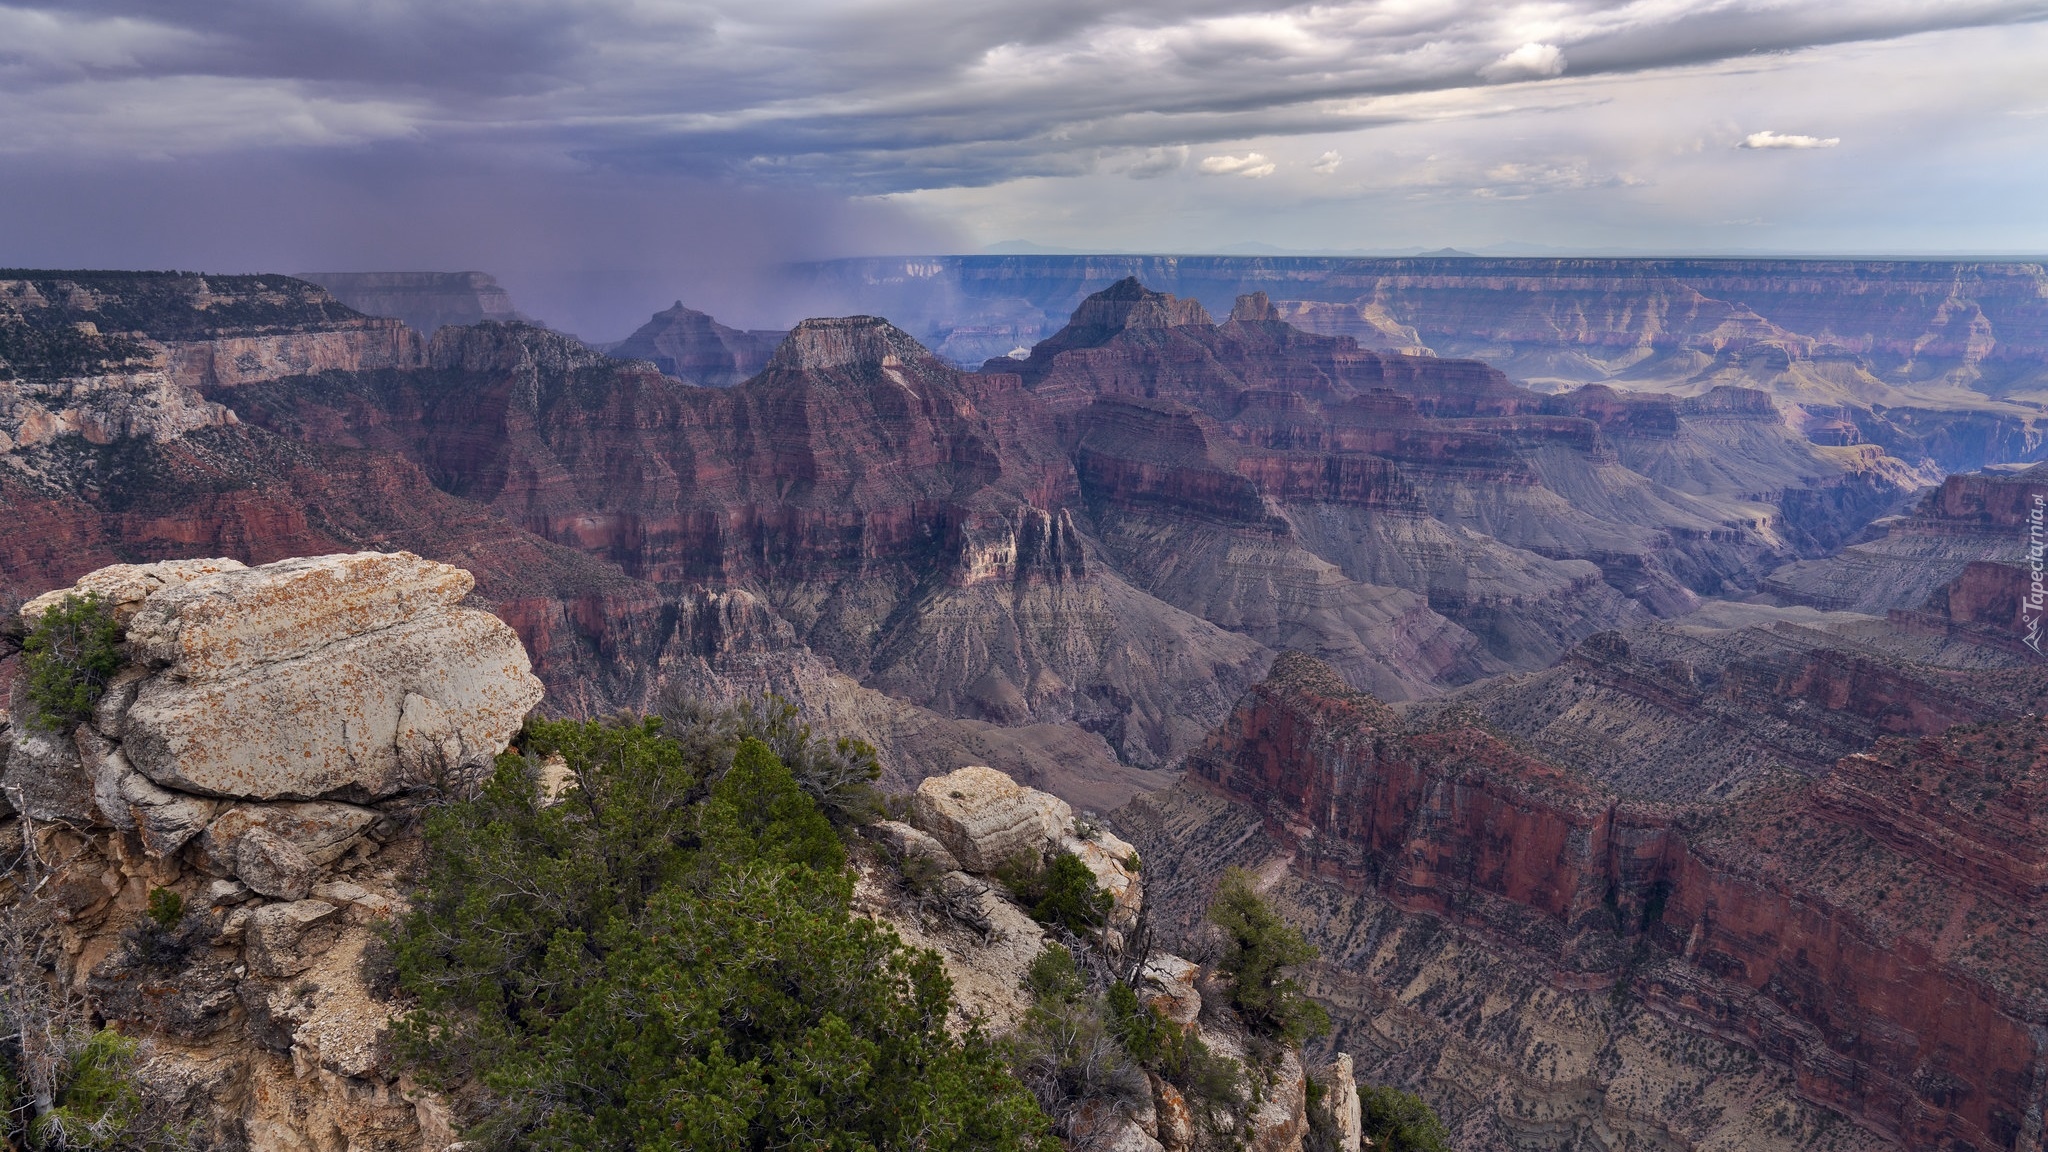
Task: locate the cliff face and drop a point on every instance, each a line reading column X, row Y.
column 1096, row 547
column 1216, row 456
column 351, row 458
column 1869, row 935
column 1978, row 518
column 115, row 356
column 1702, row 707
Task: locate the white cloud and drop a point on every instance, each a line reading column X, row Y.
column 1154, row 162
column 1643, row 160
column 1252, row 164
column 1326, row 164
column 1527, row 62
column 1770, row 139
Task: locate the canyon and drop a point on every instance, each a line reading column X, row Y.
column 1649, row 746
column 1942, row 360
column 218, row 855
column 1071, row 562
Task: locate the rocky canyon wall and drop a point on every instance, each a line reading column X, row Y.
column 1104, row 541
column 1873, row 934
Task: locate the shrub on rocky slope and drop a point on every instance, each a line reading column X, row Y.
column 663, row 957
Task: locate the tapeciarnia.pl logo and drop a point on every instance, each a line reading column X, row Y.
column 2032, row 608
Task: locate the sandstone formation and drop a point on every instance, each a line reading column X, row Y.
column 1865, row 942
column 1066, row 566
column 1293, row 486
column 254, row 761
column 209, row 486
column 1699, row 707
column 1907, row 560
column 984, row 818
column 124, row 587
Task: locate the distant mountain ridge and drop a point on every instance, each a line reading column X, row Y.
column 1857, row 347
column 1099, row 545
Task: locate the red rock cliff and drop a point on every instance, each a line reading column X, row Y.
column 1878, row 930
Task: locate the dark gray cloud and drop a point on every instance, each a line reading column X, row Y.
column 610, row 155
column 874, row 97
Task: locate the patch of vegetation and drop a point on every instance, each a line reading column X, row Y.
column 1398, row 1121
column 1064, row 1049
column 1059, row 890
column 1258, row 949
column 166, row 908
column 839, row 774
column 665, row 958
column 67, row 659
column 1072, row 898
column 1090, row 1040
column 94, row 1104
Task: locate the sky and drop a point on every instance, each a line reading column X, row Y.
column 601, row 156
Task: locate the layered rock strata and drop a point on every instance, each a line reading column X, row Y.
column 254, row 761
column 1699, row 707
column 1937, row 361
column 1068, row 565
column 1867, row 941
column 1907, row 560
column 694, row 348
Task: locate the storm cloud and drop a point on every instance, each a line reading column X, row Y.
column 492, row 131
column 866, row 98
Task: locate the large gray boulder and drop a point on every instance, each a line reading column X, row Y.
column 983, row 817
column 125, row 587
column 330, row 675
column 353, row 677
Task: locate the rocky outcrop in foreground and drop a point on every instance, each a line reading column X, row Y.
column 257, row 759
column 1869, row 942
column 967, row 824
